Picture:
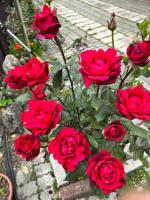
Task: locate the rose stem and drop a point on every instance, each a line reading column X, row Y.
column 97, row 91
column 52, row 90
column 113, row 41
column 67, row 69
column 129, row 70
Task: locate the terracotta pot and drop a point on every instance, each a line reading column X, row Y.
column 9, row 185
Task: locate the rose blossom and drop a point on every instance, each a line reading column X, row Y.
column 30, row 74
column 139, row 53
column 114, row 131
column 134, row 103
column 27, row 146
column 46, row 23
column 69, row 148
column 35, row 72
column 106, row 172
column 38, row 92
column 41, row 116
column 99, row 66
column 15, row 78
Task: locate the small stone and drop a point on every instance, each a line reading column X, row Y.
column 11, row 116
column 132, row 165
column 59, row 172
column 75, row 190
column 9, row 63
column 45, row 181
column 42, row 169
column 127, row 151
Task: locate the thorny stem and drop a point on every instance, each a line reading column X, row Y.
column 129, row 70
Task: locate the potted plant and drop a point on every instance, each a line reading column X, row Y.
column 6, row 189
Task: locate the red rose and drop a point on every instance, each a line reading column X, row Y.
column 32, row 73
column 139, row 53
column 42, row 116
column 106, row 172
column 101, row 67
column 14, row 78
column 46, row 23
column 69, row 148
column 27, row 146
column 38, row 92
column 35, row 72
column 114, row 131
column 134, row 103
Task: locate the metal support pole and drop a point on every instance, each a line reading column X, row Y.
column 20, row 15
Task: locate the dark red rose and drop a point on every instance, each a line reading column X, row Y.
column 41, row 116
column 114, row 131
column 100, row 67
column 106, row 172
column 15, row 79
column 35, row 72
column 46, row 23
column 38, row 92
column 139, row 53
column 69, row 148
column 30, row 74
column 27, row 146
column 134, row 103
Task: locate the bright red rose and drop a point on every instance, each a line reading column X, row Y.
column 100, row 67
column 69, row 148
column 46, row 23
column 15, row 79
column 38, row 92
column 106, row 172
column 114, row 131
column 41, row 116
column 139, row 53
column 27, row 146
column 35, row 72
column 134, row 103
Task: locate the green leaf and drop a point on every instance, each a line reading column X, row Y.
column 79, row 172
column 96, row 103
column 23, row 98
column 138, row 131
column 92, row 141
column 103, row 112
column 57, row 79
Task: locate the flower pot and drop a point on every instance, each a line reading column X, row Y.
column 9, row 185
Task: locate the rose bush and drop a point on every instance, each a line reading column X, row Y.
column 80, row 123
